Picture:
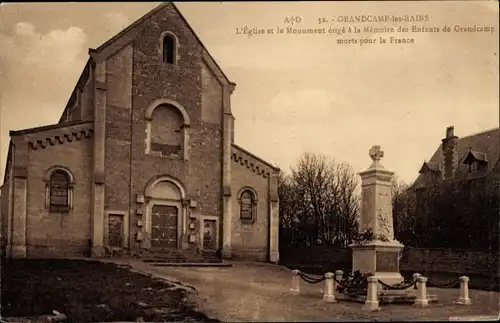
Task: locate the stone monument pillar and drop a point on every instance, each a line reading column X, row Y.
column 379, row 256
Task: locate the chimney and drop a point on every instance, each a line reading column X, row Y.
column 449, row 152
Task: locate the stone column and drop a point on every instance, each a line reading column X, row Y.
column 295, row 290
column 19, row 213
column 421, row 300
column 98, row 186
column 415, row 277
column 329, row 293
column 19, row 196
column 464, row 298
column 145, row 243
column 379, row 256
column 232, row 129
column 371, row 303
column 273, row 219
column 226, row 173
column 10, row 209
column 339, row 274
column 185, row 234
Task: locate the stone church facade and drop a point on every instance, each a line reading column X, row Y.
column 143, row 157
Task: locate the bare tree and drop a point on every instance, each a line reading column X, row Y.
column 319, row 202
column 398, row 186
column 404, row 205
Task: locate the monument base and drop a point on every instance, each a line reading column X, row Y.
column 391, row 278
column 380, row 258
column 17, row 251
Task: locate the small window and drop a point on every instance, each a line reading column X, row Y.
column 59, row 192
column 169, row 49
column 247, row 206
column 473, row 167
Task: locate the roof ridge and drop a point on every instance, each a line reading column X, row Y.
column 480, row 132
column 62, row 138
column 201, row 43
column 132, row 25
column 266, row 163
column 150, row 13
column 54, row 126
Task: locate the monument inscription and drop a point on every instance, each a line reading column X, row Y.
column 387, row 261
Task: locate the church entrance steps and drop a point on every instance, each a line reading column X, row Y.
column 187, row 264
column 177, row 257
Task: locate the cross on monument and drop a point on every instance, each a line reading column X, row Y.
column 376, row 153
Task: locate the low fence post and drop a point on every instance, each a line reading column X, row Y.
column 339, row 274
column 415, row 278
column 329, row 294
column 464, row 298
column 422, row 300
column 371, row 303
column 295, row 290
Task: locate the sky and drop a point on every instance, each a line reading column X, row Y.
column 295, row 93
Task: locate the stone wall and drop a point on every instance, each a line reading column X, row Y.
column 450, row 260
column 4, row 191
column 6, row 201
column 118, row 130
column 42, row 231
column 329, row 258
column 4, row 209
column 250, row 240
column 56, row 233
column 470, row 262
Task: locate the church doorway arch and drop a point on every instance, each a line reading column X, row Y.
column 165, row 213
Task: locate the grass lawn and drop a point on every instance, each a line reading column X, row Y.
column 90, row 291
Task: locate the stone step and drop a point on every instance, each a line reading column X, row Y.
column 184, row 259
column 404, row 299
column 174, row 253
column 158, row 260
column 387, row 298
column 164, row 256
column 177, row 257
column 174, row 262
column 193, row 264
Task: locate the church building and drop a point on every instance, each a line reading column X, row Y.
column 143, row 157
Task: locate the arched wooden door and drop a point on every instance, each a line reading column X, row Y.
column 165, row 215
column 164, row 226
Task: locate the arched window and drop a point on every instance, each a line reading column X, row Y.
column 167, row 129
column 169, row 49
column 248, row 205
column 59, row 191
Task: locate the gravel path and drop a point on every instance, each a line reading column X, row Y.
column 260, row 292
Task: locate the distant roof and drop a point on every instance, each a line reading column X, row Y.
column 486, row 142
column 484, row 146
column 476, row 155
column 431, row 166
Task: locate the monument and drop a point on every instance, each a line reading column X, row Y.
column 379, row 256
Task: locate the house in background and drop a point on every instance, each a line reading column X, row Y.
column 472, row 157
column 143, row 157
